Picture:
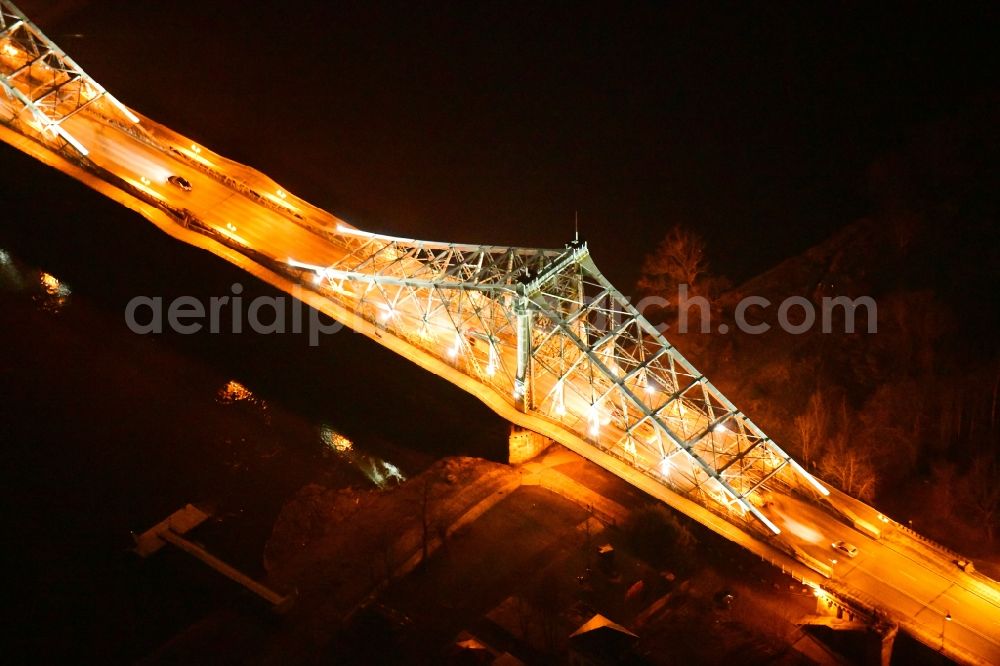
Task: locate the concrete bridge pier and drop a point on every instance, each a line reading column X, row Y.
column 881, row 640
column 877, row 635
column 525, row 445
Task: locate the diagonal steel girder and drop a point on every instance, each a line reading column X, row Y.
column 550, row 334
column 44, row 85
column 541, row 327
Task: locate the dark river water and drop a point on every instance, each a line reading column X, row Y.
column 105, row 431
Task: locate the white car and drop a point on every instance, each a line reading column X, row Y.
column 846, row 548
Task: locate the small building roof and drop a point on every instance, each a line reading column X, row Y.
column 600, row 622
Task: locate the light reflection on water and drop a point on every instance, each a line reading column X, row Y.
column 234, row 392
column 49, row 292
column 380, row 472
column 54, row 294
column 10, row 275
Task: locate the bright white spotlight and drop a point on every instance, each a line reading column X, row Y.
column 386, row 312
column 491, row 367
column 594, row 417
column 560, row 399
column 457, row 347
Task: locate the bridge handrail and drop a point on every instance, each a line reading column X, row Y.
column 133, row 130
column 909, row 531
column 147, row 138
column 648, row 472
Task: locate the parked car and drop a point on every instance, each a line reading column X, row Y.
column 181, row 182
column 965, row 565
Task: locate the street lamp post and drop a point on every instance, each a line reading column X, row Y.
column 944, row 623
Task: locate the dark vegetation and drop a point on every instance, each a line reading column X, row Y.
column 908, row 417
column 656, row 535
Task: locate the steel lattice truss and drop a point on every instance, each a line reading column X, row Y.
column 542, row 328
column 42, row 85
column 548, row 332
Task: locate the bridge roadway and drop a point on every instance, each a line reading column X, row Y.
column 911, row 582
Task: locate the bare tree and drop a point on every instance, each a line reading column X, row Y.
column 891, row 426
column 546, row 596
column 811, row 426
column 678, row 259
column 981, row 493
column 425, row 520
column 944, row 482
column 914, row 322
column 849, row 467
column 384, row 543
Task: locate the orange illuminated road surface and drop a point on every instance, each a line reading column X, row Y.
column 912, row 582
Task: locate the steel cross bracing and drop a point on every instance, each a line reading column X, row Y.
column 42, row 86
column 548, row 332
column 543, row 328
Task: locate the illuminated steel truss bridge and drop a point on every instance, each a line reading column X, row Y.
column 543, row 329
column 539, row 335
column 44, row 83
column 548, row 332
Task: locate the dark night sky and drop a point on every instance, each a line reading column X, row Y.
column 482, row 122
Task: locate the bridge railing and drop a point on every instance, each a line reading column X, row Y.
column 917, row 536
column 142, row 135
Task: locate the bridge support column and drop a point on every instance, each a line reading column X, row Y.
column 525, row 445
column 522, row 379
column 880, row 642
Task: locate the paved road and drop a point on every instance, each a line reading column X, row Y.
column 902, row 576
column 231, row 213
column 906, row 579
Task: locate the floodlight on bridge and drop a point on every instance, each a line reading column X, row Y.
column 543, row 328
column 548, row 332
column 537, row 334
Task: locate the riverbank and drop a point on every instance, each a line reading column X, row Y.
column 511, row 563
column 105, row 431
